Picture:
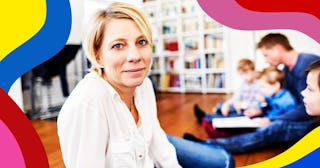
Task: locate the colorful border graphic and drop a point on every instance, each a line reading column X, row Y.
column 48, row 40
column 41, row 30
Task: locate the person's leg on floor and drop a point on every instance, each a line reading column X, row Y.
column 277, row 132
column 201, row 155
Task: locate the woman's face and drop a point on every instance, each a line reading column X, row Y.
column 125, row 54
column 311, row 94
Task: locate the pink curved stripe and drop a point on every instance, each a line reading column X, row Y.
column 10, row 153
column 230, row 13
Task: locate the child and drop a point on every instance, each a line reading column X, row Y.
column 243, row 98
column 311, row 94
column 274, row 101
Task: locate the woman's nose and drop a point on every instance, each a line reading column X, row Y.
column 134, row 54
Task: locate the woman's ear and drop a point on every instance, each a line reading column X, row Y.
column 99, row 60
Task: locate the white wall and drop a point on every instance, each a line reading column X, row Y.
column 77, row 8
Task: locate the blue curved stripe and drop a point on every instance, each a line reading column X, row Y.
column 44, row 45
column 310, row 160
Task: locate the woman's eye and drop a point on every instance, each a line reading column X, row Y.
column 142, row 42
column 117, row 46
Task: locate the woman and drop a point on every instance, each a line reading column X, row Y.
column 110, row 119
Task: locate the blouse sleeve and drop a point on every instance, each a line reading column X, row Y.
column 83, row 136
column 162, row 151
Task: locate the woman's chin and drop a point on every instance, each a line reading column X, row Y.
column 134, row 82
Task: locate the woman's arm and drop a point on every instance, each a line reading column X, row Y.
column 83, row 136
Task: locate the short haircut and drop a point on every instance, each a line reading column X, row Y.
column 93, row 37
column 273, row 75
column 315, row 66
column 245, row 65
column 273, row 39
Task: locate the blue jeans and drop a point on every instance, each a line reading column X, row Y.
column 278, row 131
column 200, row 155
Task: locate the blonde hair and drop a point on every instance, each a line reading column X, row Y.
column 245, row 65
column 94, row 33
column 273, row 75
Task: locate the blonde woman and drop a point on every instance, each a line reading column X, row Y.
column 110, row 119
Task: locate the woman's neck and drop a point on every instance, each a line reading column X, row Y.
column 127, row 96
column 126, row 93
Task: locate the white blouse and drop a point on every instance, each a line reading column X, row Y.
column 96, row 129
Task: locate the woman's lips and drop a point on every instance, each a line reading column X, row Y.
column 134, row 70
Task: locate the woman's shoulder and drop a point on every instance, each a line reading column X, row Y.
column 88, row 93
column 89, row 87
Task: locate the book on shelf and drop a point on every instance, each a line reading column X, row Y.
column 169, row 9
column 193, row 82
column 171, row 45
column 156, row 64
column 212, row 42
column 234, row 122
column 170, row 80
column 156, row 80
column 193, row 64
column 191, row 44
column 189, row 7
column 171, row 64
column 190, row 25
column 214, row 61
column 216, row 80
column 218, row 62
column 169, row 29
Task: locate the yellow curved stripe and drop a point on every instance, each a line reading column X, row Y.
column 20, row 20
column 305, row 146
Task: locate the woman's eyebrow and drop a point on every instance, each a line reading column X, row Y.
column 141, row 36
column 116, row 40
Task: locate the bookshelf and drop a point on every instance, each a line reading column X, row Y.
column 189, row 53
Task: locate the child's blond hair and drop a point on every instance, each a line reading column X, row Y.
column 273, row 75
column 245, row 65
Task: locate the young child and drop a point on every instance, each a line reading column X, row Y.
column 311, row 94
column 243, row 98
column 274, row 101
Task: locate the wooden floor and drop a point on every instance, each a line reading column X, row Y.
column 175, row 112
